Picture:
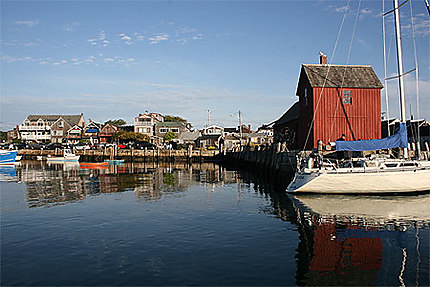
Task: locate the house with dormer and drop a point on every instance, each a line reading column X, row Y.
column 74, row 134
column 91, row 132
column 48, row 128
column 107, row 132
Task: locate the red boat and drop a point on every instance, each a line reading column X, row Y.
column 93, row 164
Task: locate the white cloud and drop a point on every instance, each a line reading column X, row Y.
column 11, row 43
column 101, row 40
column 96, row 60
column 16, row 43
column 342, row 9
column 188, row 101
column 126, row 38
column 197, row 37
column 28, row 23
column 139, row 36
column 71, row 27
column 10, row 59
column 158, row 38
column 422, row 26
column 31, row 44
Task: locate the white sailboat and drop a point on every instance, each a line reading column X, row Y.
column 373, row 175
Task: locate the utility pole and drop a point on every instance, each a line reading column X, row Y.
column 209, row 117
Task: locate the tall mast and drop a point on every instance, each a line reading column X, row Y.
column 400, row 67
column 385, row 71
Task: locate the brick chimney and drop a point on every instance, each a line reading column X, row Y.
column 323, row 59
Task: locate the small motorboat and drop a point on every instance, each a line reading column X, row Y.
column 115, row 161
column 93, row 165
column 67, row 156
column 8, row 156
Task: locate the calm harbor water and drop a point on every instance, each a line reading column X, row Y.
column 149, row 224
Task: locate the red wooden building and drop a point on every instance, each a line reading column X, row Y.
column 333, row 100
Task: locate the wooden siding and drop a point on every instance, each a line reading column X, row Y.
column 360, row 120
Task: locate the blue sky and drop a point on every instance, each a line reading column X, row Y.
column 116, row 59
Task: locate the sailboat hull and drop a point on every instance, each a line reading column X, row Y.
column 377, row 182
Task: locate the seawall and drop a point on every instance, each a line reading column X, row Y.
column 129, row 155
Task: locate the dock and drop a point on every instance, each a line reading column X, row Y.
column 275, row 157
column 130, row 155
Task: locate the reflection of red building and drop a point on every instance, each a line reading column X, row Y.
column 332, row 253
column 338, row 258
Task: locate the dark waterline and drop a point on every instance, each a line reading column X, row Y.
column 205, row 224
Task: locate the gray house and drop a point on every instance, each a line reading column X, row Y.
column 161, row 128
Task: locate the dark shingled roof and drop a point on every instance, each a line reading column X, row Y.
column 291, row 114
column 71, row 119
column 346, row 76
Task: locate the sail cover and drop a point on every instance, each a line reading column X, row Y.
column 398, row 139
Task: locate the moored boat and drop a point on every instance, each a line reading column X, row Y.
column 367, row 175
column 115, row 161
column 8, row 156
column 363, row 176
column 67, row 156
column 94, row 165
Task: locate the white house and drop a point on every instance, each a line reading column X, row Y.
column 44, row 128
column 213, row 130
column 145, row 123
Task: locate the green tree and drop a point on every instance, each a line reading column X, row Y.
column 169, row 118
column 118, row 122
column 169, row 179
column 3, row 136
column 131, row 136
column 169, row 136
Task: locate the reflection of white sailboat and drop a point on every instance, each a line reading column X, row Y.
column 316, row 175
column 65, row 165
column 352, row 237
column 374, row 209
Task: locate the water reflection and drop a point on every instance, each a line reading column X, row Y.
column 60, row 183
column 355, row 240
column 342, row 240
column 8, row 173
